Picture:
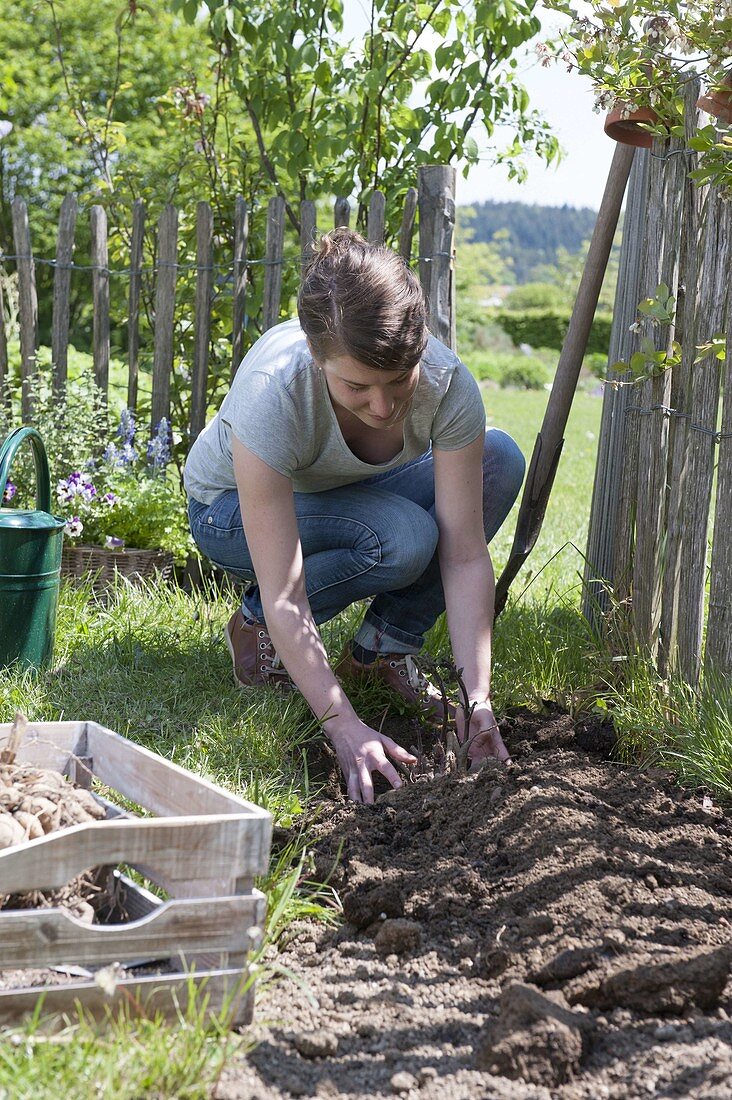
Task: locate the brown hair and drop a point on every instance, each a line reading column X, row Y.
column 361, row 300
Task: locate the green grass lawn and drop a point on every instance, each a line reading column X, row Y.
column 151, row 663
column 520, row 413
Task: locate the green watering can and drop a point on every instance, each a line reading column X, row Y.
column 30, row 563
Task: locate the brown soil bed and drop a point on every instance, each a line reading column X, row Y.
column 562, row 928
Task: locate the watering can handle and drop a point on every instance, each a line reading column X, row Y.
column 43, row 476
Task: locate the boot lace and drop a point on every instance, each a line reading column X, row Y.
column 415, row 677
column 270, row 663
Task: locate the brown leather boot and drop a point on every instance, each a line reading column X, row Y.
column 254, row 657
column 401, row 673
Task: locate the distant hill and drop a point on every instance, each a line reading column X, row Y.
column 531, row 235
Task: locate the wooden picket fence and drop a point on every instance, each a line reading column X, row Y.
column 648, row 546
column 430, row 207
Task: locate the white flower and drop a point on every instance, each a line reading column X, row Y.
column 73, row 527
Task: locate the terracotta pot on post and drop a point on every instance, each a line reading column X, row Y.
column 718, row 101
column 627, row 130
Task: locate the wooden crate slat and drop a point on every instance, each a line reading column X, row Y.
column 406, row 231
column 100, row 296
column 156, row 783
column 166, row 993
column 49, row 744
column 133, row 301
column 204, row 287
column 27, row 303
column 170, row 851
column 273, row 263
column 52, row 937
column 62, row 290
column 167, row 269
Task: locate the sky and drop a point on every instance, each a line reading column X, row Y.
column 566, row 101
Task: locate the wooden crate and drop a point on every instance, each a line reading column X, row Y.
column 201, row 844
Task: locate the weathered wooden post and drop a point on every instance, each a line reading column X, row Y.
column 204, row 285
column 27, row 304
column 406, row 231
column 62, row 291
column 133, row 307
column 100, row 296
column 436, row 201
column 167, row 265
column 601, row 535
column 273, row 262
column 239, row 310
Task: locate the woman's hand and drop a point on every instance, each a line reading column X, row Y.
column 361, row 751
column 484, row 735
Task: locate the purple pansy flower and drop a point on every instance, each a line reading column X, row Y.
column 9, row 491
column 74, row 527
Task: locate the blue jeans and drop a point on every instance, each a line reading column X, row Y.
column 375, row 538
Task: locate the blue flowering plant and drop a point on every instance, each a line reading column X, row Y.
column 128, row 498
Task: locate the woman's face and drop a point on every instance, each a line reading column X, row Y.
column 379, row 398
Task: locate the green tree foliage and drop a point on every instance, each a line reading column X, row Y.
column 533, row 234
column 118, row 100
column 347, row 118
column 87, row 88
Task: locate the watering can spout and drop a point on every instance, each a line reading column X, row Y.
column 31, row 541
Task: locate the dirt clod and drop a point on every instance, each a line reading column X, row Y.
column 670, row 986
column 534, row 1038
column 362, row 907
column 396, row 937
column 316, row 1044
column 403, row 1082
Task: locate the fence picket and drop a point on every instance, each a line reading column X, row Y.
column 273, row 264
column 341, row 213
column 62, row 291
column 4, row 379
column 406, row 231
column 680, row 398
column 204, row 285
column 664, row 242
column 700, row 439
column 718, row 653
column 133, row 305
column 27, row 303
column 308, row 232
column 601, row 538
column 623, row 557
column 436, row 230
column 239, row 312
column 377, row 218
column 100, row 296
column 167, row 260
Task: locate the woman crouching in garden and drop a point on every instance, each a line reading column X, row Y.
column 350, row 460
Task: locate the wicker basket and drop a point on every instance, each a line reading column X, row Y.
column 79, row 563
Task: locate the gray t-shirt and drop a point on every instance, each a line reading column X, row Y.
column 279, row 408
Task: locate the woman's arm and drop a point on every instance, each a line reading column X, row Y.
column 270, row 526
column 469, row 585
